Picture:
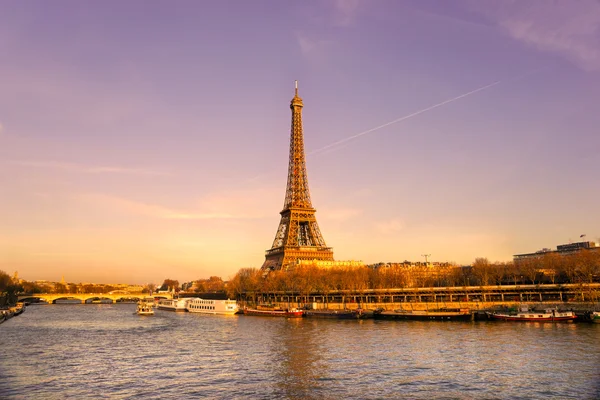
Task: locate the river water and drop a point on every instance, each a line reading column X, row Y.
column 107, row 351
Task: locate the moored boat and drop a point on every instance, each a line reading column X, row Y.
column 595, row 317
column 173, row 304
column 18, row 308
column 4, row 315
column 274, row 312
column 548, row 315
column 463, row 314
column 10, row 312
column 358, row 313
column 145, row 308
column 205, row 306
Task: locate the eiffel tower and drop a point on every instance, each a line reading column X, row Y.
column 298, row 236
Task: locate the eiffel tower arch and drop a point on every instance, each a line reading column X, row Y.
column 298, row 236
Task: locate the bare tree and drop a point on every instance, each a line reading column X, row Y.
column 482, row 271
column 587, row 265
column 551, row 265
column 530, row 268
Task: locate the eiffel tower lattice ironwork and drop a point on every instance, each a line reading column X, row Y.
column 298, row 236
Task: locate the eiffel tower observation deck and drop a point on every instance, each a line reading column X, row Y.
column 298, row 236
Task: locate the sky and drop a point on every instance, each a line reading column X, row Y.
column 146, row 140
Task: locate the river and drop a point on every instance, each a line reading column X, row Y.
column 107, row 351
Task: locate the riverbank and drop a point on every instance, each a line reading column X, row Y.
column 476, row 307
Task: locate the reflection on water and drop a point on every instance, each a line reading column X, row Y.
column 90, row 351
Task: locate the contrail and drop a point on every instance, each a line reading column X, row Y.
column 335, row 144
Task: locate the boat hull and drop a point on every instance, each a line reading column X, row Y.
column 274, row 313
column 529, row 319
column 338, row 314
column 213, row 312
column 167, row 308
column 425, row 316
column 532, row 316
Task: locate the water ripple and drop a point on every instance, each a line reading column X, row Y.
column 78, row 352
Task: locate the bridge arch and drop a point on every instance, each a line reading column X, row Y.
column 32, row 299
column 100, row 299
column 67, row 299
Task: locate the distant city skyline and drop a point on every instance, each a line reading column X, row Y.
column 141, row 141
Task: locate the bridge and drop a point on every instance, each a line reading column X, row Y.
column 90, row 298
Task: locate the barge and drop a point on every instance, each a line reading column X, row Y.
column 426, row 315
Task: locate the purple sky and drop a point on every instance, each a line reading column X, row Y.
column 145, row 140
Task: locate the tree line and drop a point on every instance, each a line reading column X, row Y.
column 580, row 267
column 212, row 284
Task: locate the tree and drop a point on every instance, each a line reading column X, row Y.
column 5, row 281
column 149, row 288
column 569, row 269
column 482, row 271
column 12, row 291
column 60, row 288
column 33, row 288
column 245, row 282
column 513, row 272
column 530, row 269
column 170, row 285
column 215, row 284
column 588, row 265
column 306, row 278
column 551, row 265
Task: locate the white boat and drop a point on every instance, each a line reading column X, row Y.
column 595, row 317
column 205, row 306
column 145, row 308
column 173, row 304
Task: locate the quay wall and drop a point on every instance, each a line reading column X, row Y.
column 579, row 307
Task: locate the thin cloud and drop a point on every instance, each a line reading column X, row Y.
column 341, row 214
column 345, row 12
column 223, row 206
column 568, row 29
column 312, row 46
column 390, row 227
column 72, row 167
column 151, row 210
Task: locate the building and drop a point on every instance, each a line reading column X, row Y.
column 326, row 264
column 562, row 250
